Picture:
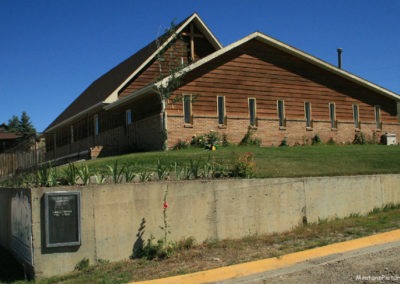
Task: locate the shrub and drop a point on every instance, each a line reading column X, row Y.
column 284, row 142
column 331, row 141
column 359, row 138
column 84, row 174
column 129, row 173
column 115, row 172
column 71, row 174
column 316, row 140
column 225, row 142
column 162, row 170
column 244, row 166
column 83, row 264
column 181, row 144
column 248, row 139
column 206, row 140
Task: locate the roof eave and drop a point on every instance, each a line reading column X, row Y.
column 72, row 118
column 146, row 90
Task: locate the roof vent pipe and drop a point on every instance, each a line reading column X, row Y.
column 339, row 51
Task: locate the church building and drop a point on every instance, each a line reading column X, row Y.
column 186, row 83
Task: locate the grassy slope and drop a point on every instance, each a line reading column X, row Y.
column 322, row 160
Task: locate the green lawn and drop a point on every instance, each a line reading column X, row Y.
column 321, row 160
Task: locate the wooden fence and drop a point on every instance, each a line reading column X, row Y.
column 27, row 155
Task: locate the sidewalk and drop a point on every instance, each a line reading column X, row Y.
column 245, row 270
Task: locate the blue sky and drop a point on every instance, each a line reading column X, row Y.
column 52, row 50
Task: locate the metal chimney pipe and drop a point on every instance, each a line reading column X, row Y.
column 339, row 51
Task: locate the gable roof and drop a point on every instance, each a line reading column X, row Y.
column 295, row 52
column 105, row 89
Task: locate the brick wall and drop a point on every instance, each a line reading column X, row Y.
column 270, row 133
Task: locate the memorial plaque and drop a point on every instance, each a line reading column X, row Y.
column 63, row 218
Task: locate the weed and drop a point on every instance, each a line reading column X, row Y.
column 249, row 140
column 145, row 175
column 129, row 173
column 46, row 175
column 181, row 144
column 71, row 174
column 83, row 264
column 115, row 172
column 162, row 170
column 84, row 174
column 194, row 169
column 359, row 138
column 284, row 142
column 100, row 177
column 316, row 139
column 243, row 166
column 331, row 141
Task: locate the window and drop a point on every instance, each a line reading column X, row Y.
column 221, row 110
column 281, row 113
column 252, row 111
column 378, row 117
column 96, row 124
column 187, row 109
column 128, row 116
column 332, row 115
column 307, row 113
column 356, row 115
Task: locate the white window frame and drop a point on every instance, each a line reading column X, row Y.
column 281, row 113
column 356, row 116
column 221, row 117
column 308, row 114
column 252, row 122
column 378, row 118
column 185, row 110
column 332, row 115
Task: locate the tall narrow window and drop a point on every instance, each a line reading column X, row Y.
column 221, row 110
column 378, row 117
column 307, row 112
column 356, row 115
column 252, row 111
column 281, row 113
column 96, row 124
column 187, row 108
column 332, row 115
column 128, row 117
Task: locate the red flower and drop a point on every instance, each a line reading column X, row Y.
column 165, row 206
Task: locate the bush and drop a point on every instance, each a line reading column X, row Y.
column 359, row 138
column 331, row 141
column 248, row 139
column 284, row 142
column 181, row 144
column 243, row 166
column 206, row 141
column 316, row 140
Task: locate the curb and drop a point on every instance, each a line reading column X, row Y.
column 259, row 266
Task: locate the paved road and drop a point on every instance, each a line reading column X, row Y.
column 376, row 264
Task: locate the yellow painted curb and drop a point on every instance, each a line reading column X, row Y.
column 259, row 266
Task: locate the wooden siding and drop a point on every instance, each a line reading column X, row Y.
column 173, row 57
column 267, row 74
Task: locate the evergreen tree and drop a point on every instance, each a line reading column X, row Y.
column 13, row 124
column 25, row 125
column 21, row 125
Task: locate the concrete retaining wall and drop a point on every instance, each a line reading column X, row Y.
column 217, row 209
